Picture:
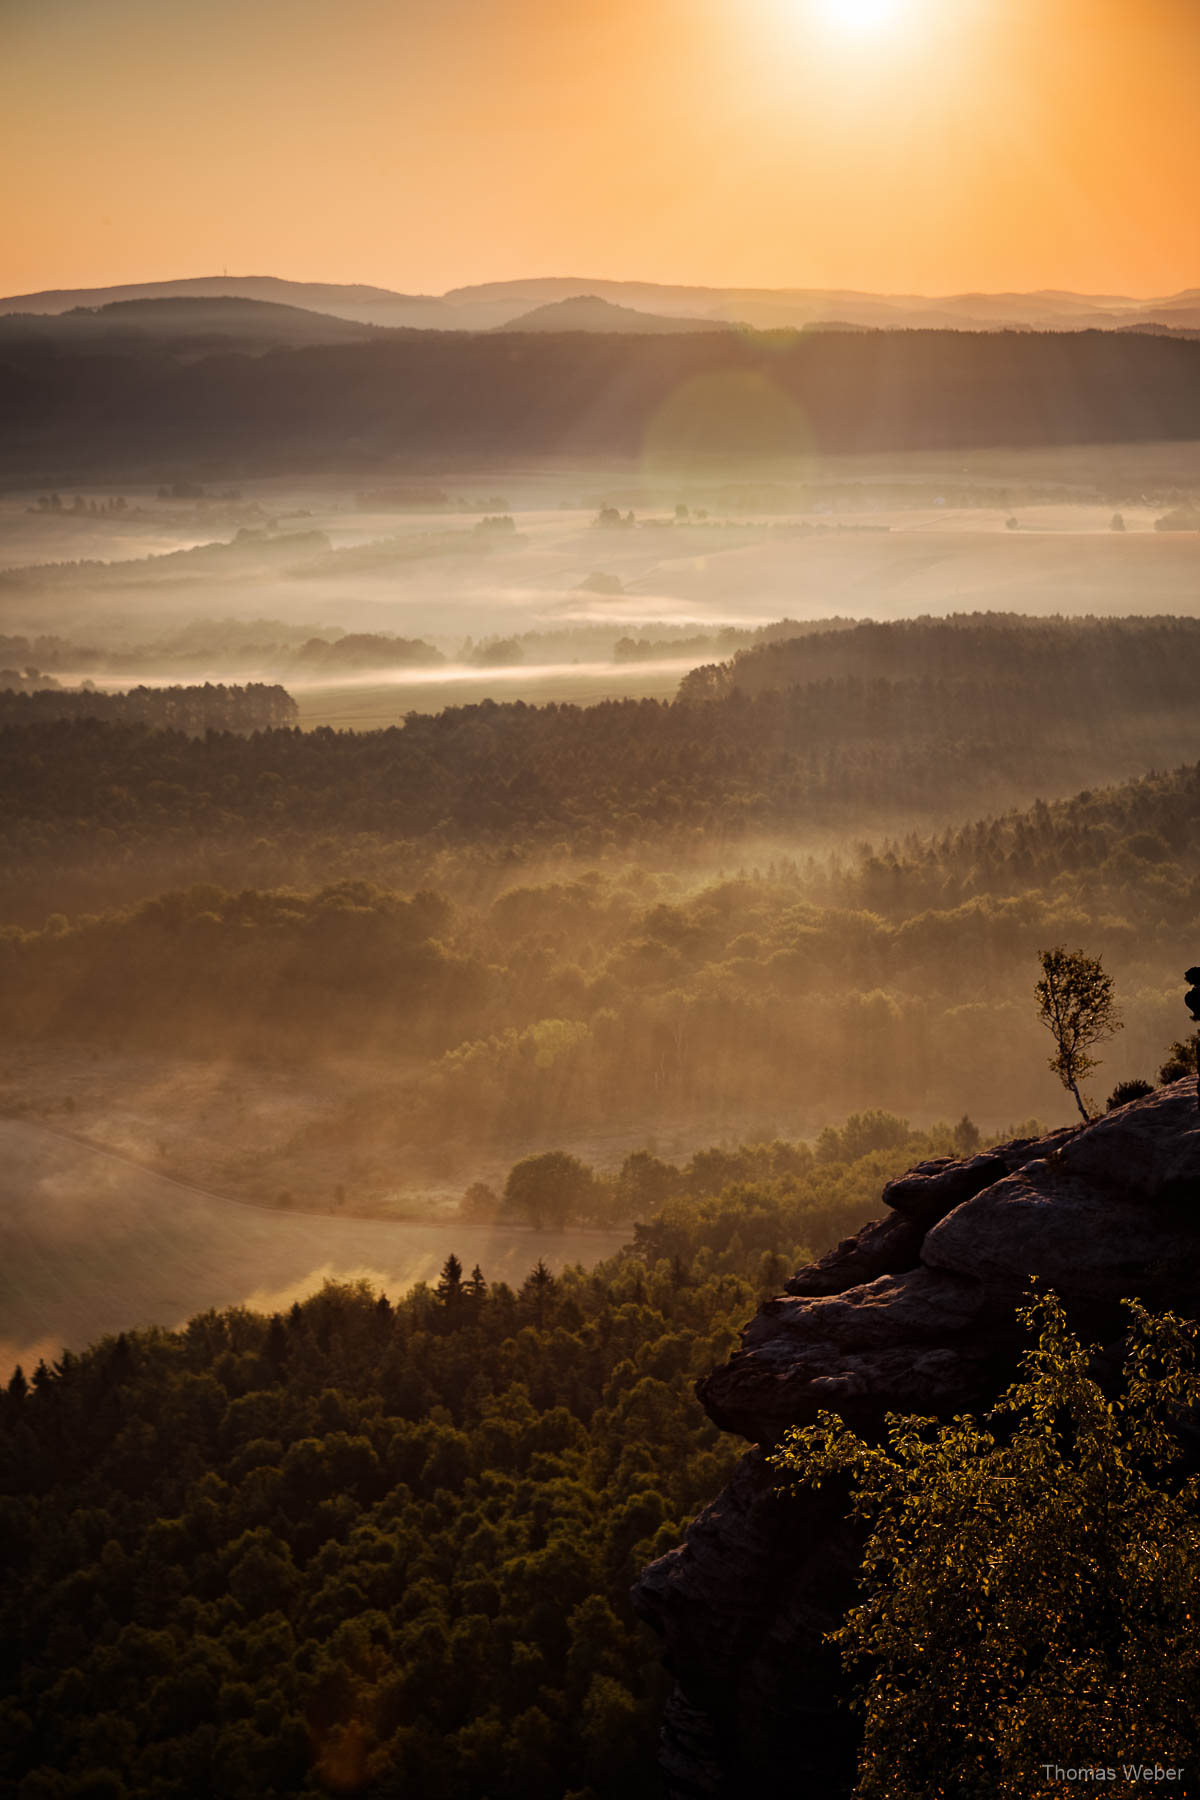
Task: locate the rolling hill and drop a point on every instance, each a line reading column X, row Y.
column 188, row 324
column 587, row 312
column 483, row 306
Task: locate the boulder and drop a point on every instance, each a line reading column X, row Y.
column 884, row 1247
column 1148, row 1150
column 931, row 1190
column 1048, row 1224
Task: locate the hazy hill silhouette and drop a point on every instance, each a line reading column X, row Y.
column 184, row 324
column 486, row 304
column 784, row 308
column 588, row 312
column 366, row 305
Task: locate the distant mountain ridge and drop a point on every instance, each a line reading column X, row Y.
column 187, row 323
column 588, row 312
column 364, row 305
column 486, row 305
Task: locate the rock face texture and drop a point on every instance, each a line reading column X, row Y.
column 914, row 1314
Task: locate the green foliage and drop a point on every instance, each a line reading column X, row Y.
column 967, row 1137
column 773, row 1202
column 548, row 1189
column 1030, row 1582
column 862, row 1133
column 890, row 719
column 361, row 1547
column 1076, row 1005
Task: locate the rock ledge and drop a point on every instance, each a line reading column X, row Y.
column 913, row 1314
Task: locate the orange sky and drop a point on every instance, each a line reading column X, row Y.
column 423, row 144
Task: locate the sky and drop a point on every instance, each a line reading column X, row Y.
column 904, row 146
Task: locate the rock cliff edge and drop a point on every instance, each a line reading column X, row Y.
column 913, row 1314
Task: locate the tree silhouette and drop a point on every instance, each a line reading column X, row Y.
column 449, row 1289
column 1075, row 1004
column 548, row 1189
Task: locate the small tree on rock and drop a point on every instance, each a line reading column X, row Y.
column 1076, row 1005
column 1125, row 1091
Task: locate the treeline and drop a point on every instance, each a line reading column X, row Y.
column 250, row 548
column 816, row 1189
column 1140, row 838
column 366, row 1546
column 212, row 707
column 1151, row 661
column 722, row 395
column 1063, row 708
column 253, row 644
column 272, row 644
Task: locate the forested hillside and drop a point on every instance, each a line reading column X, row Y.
column 717, row 395
column 526, row 1013
column 976, row 718
column 1107, row 662
column 374, row 1547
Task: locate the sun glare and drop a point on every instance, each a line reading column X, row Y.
column 861, row 16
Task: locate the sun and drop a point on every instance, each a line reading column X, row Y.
column 861, row 17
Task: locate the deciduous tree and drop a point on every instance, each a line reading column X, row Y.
column 1076, row 1005
column 1030, row 1591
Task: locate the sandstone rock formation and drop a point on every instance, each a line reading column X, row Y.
column 914, row 1314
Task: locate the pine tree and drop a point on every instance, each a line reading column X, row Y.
column 449, row 1290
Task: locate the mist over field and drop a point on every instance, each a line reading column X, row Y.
column 590, row 904
column 90, row 1240
column 508, row 587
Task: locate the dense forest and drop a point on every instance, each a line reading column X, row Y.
column 527, row 1012
column 517, row 913
column 384, row 1547
column 1145, row 661
column 93, row 813
column 719, row 396
column 194, row 710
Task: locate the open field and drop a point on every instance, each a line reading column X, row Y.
column 91, row 1244
column 288, row 1137
column 853, row 537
